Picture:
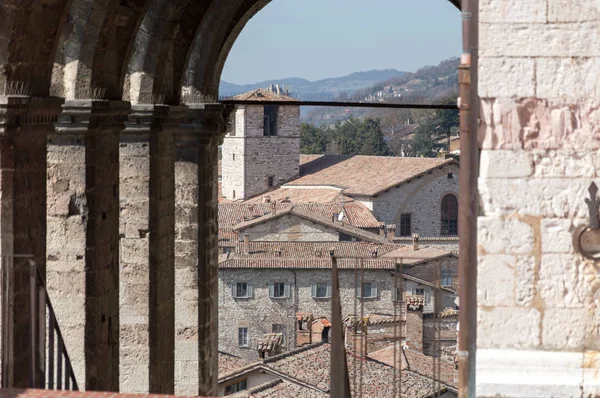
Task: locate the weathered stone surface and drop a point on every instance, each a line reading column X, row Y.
column 524, row 324
column 518, row 81
column 505, row 235
column 513, row 11
column 498, row 287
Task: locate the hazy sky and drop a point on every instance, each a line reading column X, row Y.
column 316, row 39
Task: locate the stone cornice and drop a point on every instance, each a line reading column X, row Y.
column 18, row 111
column 144, row 117
column 79, row 116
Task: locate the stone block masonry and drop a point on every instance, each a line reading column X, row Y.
column 539, row 114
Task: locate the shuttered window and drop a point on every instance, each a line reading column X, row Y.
column 321, row 290
column 279, row 290
column 241, row 290
column 367, row 290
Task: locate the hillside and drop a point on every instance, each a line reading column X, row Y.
column 326, row 88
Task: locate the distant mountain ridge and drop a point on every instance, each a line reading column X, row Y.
column 333, row 86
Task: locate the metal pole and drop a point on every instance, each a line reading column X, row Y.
column 32, row 321
column 340, row 382
column 468, row 206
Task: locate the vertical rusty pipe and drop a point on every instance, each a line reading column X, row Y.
column 340, row 382
column 468, row 206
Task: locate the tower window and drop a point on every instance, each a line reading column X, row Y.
column 405, row 227
column 450, row 175
column 270, row 118
column 270, row 182
column 233, row 156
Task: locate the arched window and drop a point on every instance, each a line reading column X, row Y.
column 449, row 215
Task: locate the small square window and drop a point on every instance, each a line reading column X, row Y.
column 237, row 387
column 419, row 292
column 241, row 290
column 270, row 181
column 450, row 175
column 243, row 337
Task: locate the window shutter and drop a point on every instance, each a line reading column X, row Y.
column 233, row 286
column 374, row 290
column 394, row 293
column 286, row 290
column 328, row 289
column 313, row 289
column 271, row 290
column 250, row 291
column 359, row 291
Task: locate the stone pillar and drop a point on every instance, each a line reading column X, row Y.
column 24, row 126
column 84, row 243
column 147, row 276
column 538, row 331
column 197, row 234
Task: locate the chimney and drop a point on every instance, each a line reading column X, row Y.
column 246, row 244
column 266, row 199
column 274, row 207
column 415, row 239
column 382, row 230
column 375, row 252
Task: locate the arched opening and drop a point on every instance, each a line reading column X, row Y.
column 449, row 215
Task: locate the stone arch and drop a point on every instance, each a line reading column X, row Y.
column 28, row 41
column 94, row 47
column 209, row 82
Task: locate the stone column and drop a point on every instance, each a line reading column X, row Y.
column 197, row 250
column 24, row 125
column 84, row 241
column 147, row 250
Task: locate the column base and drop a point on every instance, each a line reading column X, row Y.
column 528, row 373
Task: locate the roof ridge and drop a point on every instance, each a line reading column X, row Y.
column 295, row 351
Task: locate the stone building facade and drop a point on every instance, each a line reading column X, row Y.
column 259, row 153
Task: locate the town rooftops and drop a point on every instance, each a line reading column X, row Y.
column 303, row 195
column 306, row 214
column 263, row 94
column 280, row 388
column 261, row 249
column 419, row 363
column 309, row 366
column 229, row 362
column 364, row 175
column 355, row 213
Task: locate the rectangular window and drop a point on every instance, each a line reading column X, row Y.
column 405, row 227
column 396, row 293
column 233, row 155
column 368, row 290
column 279, row 290
column 241, row 290
column 270, row 119
column 243, row 337
column 419, row 292
column 270, row 181
column 446, row 277
column 237, row 387
column 345, row 237
column 321, row 290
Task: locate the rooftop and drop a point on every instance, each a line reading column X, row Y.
column 262, row 94
column 229, row 362
column 307, row 214
column 356, row 213
column 311, row 250
column 363, row 175
column 419, row 363
column 310, row 366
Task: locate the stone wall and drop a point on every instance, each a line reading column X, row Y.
column 422, row 198
column 291, row 228
column 537, row 298
column 258, row 157
column 260, row 312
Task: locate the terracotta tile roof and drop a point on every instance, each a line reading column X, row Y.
column 425, row 252
column 364, row 175
column 301, row 212
column 303, row 195
column 316, row 250
column 229, row 362
column 35, row 393
column 304, row 159
column 357, row 214
column 262, row 94
column 419, row 363
column 305, row 255
column 281, row 389
column 269, row 342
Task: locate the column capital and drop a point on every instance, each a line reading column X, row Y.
column 79, row 116
column 17, row 111
column 207, row 123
